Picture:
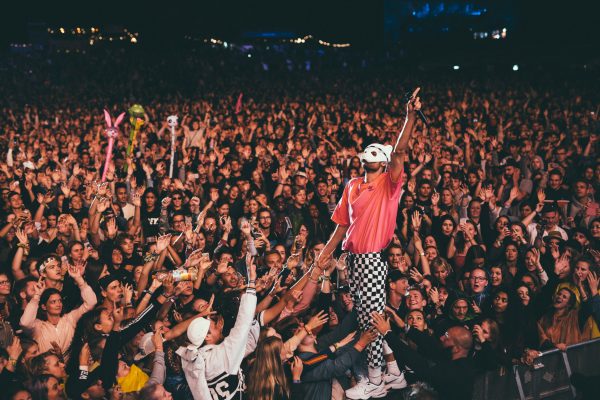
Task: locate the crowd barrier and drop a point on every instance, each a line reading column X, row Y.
column 547, row 379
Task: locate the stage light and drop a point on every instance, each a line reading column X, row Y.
column 249, row 55
column 456, row 67
column 133, row 40
column 225, row 44
column 515, row 67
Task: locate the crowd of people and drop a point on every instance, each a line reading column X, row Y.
column 204, row 284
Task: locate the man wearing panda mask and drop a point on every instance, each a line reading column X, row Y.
column 366, row 220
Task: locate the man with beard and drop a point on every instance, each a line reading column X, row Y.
column 514, row 186
column 366, row 219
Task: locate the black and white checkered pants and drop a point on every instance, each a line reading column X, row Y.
column 367, row 285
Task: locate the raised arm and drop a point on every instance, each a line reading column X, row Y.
column 397, row 164
column 29, row 315
column 338, row 234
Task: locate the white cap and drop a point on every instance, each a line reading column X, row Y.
column 198, row 330
column 376, row 152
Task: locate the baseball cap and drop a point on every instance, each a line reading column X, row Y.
column 198, row 330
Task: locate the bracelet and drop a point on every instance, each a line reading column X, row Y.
column 336, row 346
column 296, row 381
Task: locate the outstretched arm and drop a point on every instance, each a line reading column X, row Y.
column 397, row 163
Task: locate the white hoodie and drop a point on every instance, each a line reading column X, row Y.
column 213, row 371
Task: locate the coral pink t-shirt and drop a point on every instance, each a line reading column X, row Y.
column 370, row 210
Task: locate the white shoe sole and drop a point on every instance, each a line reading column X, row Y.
column 378, row 396
column 397, row 385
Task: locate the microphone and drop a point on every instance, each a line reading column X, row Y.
column 407, row 98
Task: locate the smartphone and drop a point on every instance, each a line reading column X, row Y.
column 284, row 274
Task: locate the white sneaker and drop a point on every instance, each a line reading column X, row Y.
column 392, row 381
column 366, row 390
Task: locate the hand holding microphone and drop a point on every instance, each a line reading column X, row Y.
column 414, row 104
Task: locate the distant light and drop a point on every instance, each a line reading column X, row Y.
column 133, row 39
column 249, row 55
column 225, row 44
column 62, row 30
column 515, row 67
column 456, row 67
column 91, row 42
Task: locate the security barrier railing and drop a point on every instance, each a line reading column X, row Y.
column 547, row 379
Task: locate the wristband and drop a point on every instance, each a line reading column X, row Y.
column 297, row 381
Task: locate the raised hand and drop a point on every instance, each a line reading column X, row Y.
column 317, row 320
column 416, row 275
column 284, row 174
column 136, row 199
column 22, row 236
column 414, row 103
column 208, row 309
column 341, row 264
column 14, row 349
column 168, row 285
column 194, row 258
column 397, row 320
column 562, row 264
column 165, row 202
column 297, row 368
column 245, row 228
column 434, row 295
column 227, row 225
column 380, row 323
column 412, row 184
column 74, row 272
column 416, row 221
column 157, row 339
column 111, row 227
column 366, row 338
column 85, row 355
column 127, row 294
column 118, row 314
column 194, row 202
column 163, row 242
column 478, row 332
column 594, row 282
column 102, row 204
column 435, row 199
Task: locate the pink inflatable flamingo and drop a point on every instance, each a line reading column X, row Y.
column 112, row 132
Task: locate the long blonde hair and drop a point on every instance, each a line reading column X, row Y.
column 267, row 372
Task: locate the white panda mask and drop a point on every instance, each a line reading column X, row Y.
column 377, row 153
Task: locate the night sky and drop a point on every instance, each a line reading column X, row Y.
column 360, row 22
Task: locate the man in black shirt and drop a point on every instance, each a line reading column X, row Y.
column 453, row 378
